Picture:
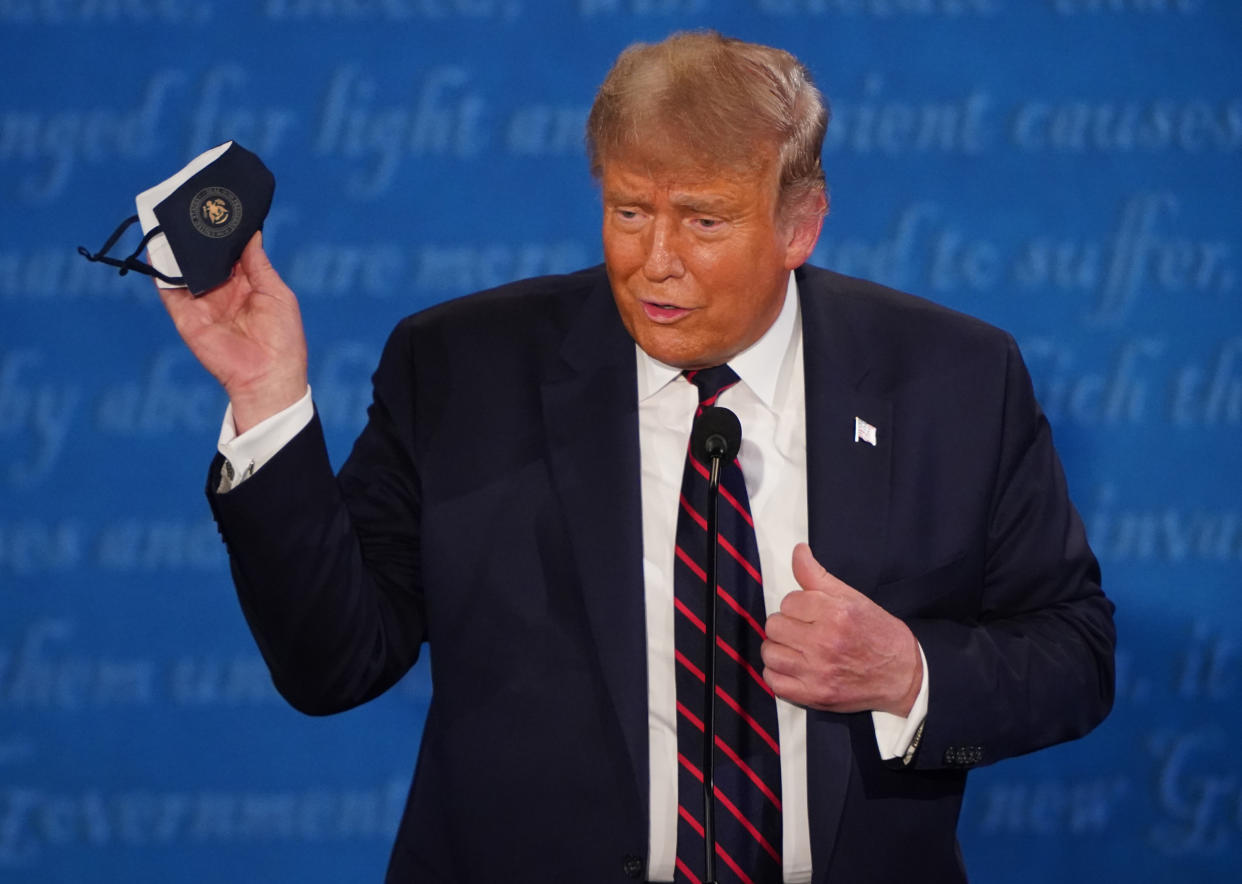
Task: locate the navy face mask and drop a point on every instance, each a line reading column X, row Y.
column 196, row 223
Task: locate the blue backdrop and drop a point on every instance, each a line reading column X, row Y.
column 1067, row 169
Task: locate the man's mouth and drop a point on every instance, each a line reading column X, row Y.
column 663, row 312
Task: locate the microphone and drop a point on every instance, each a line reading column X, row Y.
column 716, row 436
column 717, row 433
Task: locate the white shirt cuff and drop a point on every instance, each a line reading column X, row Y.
column 247, row 453
column 894, row 734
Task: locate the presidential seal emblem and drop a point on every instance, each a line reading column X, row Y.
column 215, row 212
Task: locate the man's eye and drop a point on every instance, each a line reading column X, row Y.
column 707, row 223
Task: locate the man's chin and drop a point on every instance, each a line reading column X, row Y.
column 679, row 354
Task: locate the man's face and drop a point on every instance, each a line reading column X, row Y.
column 698, row 262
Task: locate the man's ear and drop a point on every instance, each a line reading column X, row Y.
column 805, row 222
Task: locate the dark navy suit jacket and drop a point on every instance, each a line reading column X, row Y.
column 491, row 507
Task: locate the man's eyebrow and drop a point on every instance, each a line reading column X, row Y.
column 692, row 202
column 622, row 197
column 701, row 202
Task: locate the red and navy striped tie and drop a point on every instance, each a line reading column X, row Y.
column 747, row 769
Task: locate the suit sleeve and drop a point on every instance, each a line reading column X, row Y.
column 1035, row 666
column 326, row 568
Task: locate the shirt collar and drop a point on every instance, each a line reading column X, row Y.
column 759, row 365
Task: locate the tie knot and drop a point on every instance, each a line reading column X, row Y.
column 712, row 382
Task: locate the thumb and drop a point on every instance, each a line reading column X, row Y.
column 257, row 269
column 253, row 259
column 810, row 574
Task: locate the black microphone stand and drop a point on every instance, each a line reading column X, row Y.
column 709, row 671
column 721, row 436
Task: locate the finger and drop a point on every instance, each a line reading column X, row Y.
column 787, row 687
column 250, row 269
column 807, row 570
column 799, row 613
column 252, row 265
column 806, row 607
column 780, row 627
column 782, row 658
column 813, row 576
column 259, row 272
column 253, row 257
column 257, row 266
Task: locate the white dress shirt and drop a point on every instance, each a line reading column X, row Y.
column 770, row 402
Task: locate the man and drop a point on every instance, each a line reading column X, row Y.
column 514, row 498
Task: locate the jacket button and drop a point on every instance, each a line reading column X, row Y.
column 633, row 867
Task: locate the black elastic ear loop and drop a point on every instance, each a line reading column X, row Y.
column 131, row 262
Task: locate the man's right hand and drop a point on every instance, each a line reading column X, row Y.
column 248, row 333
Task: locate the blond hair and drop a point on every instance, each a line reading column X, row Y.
column 710, row 102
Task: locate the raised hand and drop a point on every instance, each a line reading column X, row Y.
column 248, row 333
column 830, row 647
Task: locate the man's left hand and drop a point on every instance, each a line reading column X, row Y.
column 832, row 648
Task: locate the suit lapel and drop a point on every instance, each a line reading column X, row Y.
column 847, row 477
column 847, row 503
column 590, row 414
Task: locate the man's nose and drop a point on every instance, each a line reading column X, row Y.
column 663, row 261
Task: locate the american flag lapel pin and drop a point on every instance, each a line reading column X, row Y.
column 864, row 432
